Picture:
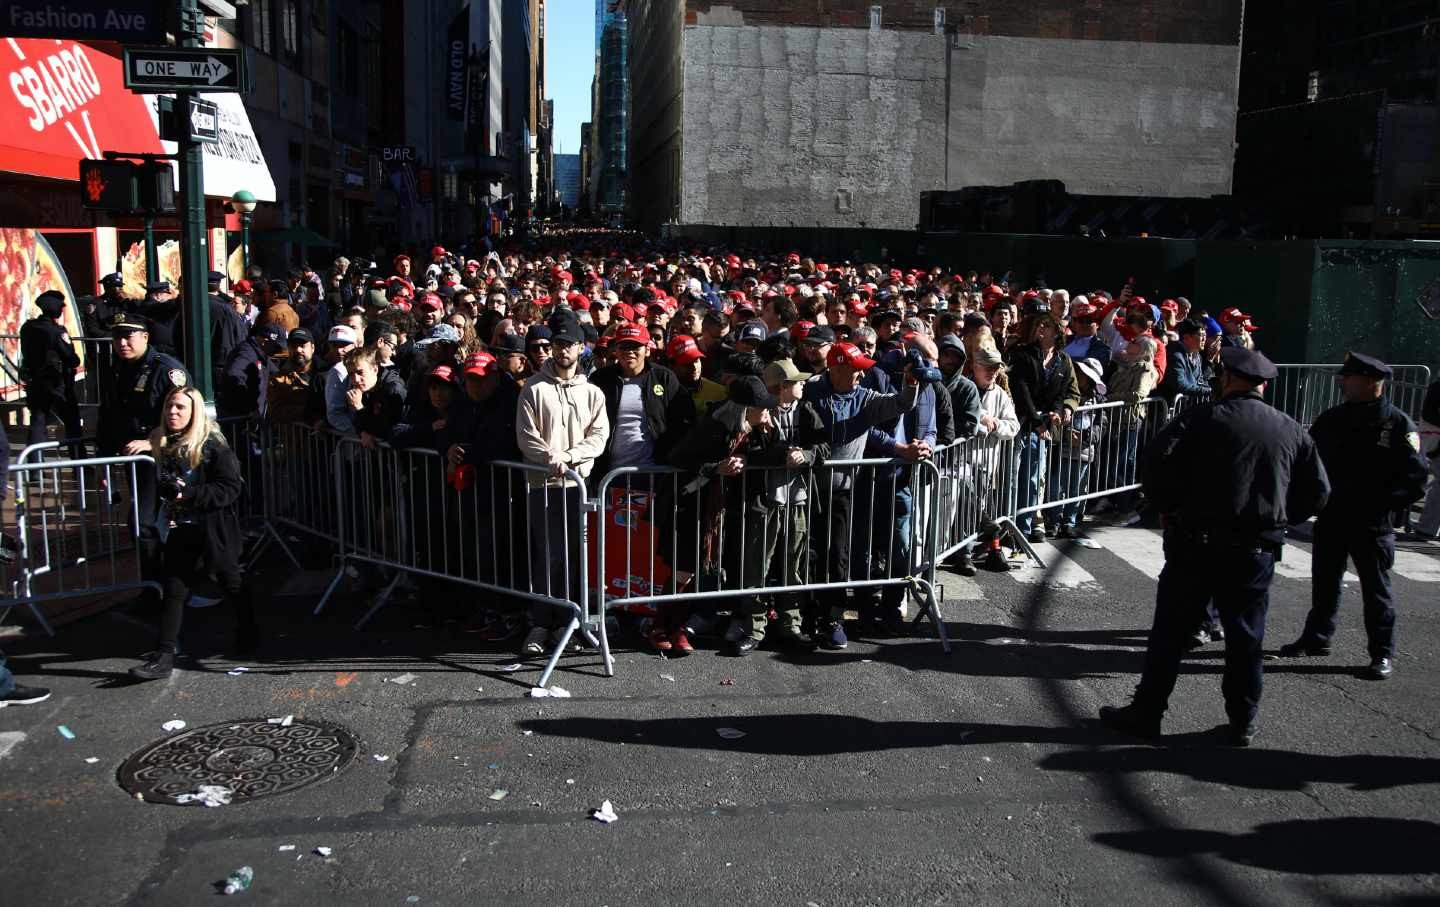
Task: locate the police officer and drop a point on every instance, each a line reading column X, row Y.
column 228, row 329
column 1372, row 452
column 96, row 312
column 1222, row 538
column 47, row 363
column 161, row 309
column 129, row 411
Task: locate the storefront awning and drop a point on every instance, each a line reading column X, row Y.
column 67, row 101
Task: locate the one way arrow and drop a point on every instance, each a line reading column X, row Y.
column 219, row 70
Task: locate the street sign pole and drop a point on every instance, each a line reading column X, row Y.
column 192, row 184
column 152, row 261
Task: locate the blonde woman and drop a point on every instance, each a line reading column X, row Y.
column 197, row 480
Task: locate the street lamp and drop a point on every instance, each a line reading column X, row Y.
column 244, row 201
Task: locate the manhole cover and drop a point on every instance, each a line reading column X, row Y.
column 252, row 757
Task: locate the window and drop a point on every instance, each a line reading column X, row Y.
column 262, row 24
column 290, row 26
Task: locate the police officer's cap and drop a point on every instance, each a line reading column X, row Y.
column 1249, row 364
column 1369, row 366
column 159, row 286
column 216, row 277
column 115, row 280
column 127, row 323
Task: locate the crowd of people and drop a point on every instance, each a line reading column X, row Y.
column 597, row 351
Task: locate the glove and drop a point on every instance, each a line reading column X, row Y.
column 923, row 372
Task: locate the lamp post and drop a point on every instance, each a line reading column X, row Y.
column 244, row 201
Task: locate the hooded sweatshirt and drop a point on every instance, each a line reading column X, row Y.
column 561, row 420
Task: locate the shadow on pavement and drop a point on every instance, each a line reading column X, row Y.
column 1339, row 846
column 802, row 735
column 1260, row 769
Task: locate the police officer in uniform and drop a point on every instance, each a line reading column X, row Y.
column 1222, row 538
column 129, row 411
column 161, row 309
column 1372, row 453
column 48, row 363
column 228, row 329
column 96, row 313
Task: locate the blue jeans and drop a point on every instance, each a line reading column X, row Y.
column 1032, row 465
column 1067, row 479
column 892, row 596
column 1126, row 470
column 7, row 680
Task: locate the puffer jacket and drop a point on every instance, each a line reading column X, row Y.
column 561, row 420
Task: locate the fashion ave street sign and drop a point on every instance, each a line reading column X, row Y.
column 208, row 69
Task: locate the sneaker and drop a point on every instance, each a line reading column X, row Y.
column 19, row 695
column 1199, row 638
column 1132, row 720
column 1240, row 734
column 744, row 646
column 832, row 636
column 1217, row 633
column 574, row 644
column 660, row 640
column 157, row 666
column 1036, row 535
column 681, row 642
column 535, row 641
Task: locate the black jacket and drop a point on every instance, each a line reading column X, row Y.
column 957, row 415
column 47, row 360
column 669, row 407
column 1037, row 392
column 130, row 404
column 1372, row 454
column 207, row 501
column 1237, row 471
column 384, row 406
column 244, row 381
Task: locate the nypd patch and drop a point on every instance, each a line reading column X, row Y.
column 1413, row 439
column 177, row 377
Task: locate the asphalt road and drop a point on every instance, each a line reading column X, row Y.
column 886, row 774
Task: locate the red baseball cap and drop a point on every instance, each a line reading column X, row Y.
column 683, row 350
column 858, row 309
column 848, row 354
column 478, row 364
column 430, row 301
column 623, row 311
column 437, row 252
column 241, row 286
column 442, row 373
column 1170, row 305
column 793, row 257
column 1083, row 311
column 1233, row 315
column 632, row 333
column 800, row 329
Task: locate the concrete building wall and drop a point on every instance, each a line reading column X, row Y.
column 835, row 125
column 1106, row 118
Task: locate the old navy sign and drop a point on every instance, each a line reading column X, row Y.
column 134, row 21
column 458, row 54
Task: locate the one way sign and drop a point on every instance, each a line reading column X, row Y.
column 164, row 69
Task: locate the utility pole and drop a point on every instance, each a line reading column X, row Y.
column 195, row 270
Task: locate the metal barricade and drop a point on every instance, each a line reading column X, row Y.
column 1305, row 390
column 773, row 531
column 508, row 528
column 977, row 489
column 77, row 531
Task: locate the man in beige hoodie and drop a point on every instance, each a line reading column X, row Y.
column 561, row 425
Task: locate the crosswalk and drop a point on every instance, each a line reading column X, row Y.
column 1069, row 566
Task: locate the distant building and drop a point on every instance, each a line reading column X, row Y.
column 753, row 112
column 610, row 107
column 567, row 179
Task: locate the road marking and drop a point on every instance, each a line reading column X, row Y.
column 1417, row 567
column 1059, row 570
column 345, row 678
column 9, row 740
column 1296, row 563
column 1140, row 548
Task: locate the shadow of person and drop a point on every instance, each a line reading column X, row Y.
column 802, row 735
column 1260, row 769
column 1356, row 845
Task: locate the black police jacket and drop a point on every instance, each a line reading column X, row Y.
column 47, row 360
column 669, row 408
column 1234, row 472
column 1372, row 453
column 165, row 328
column 130, row 404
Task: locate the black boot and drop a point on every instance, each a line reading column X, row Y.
column 157, row 666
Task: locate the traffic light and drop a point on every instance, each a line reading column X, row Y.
column 125, row 187
column 109, row 186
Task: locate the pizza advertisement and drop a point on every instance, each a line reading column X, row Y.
column 132, row 266
column 28, row 267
